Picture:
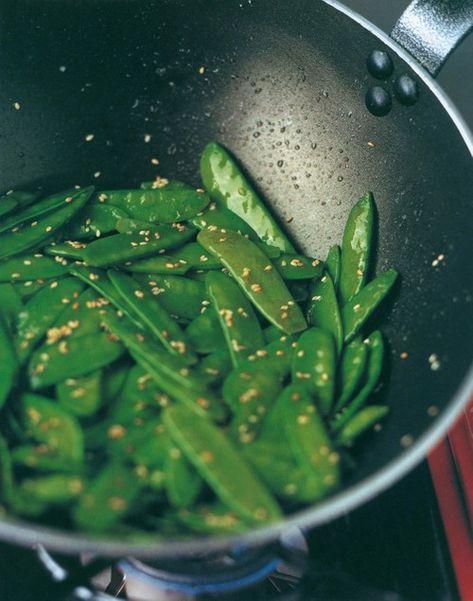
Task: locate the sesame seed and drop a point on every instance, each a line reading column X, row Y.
column 97, row 174
column 117, row 503
column 147, row 138
column 201, row 70
column 302, row 420
column 407, row 440
column 139, row 293
column 89, row 137
column 371, row 144
column 154, row 161
column 17, row 106
column 356, row 307
column 256, row 287
column 404, row 355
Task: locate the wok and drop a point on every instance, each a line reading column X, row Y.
column 282, row 85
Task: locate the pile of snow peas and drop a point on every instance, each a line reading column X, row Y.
column 171, row 364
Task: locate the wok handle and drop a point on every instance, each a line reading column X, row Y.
column 431, row 29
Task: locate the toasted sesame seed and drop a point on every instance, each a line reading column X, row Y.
column 256, row 287
column 89, row 137
column 117, row 503
column 155, row 161
column 404, row 355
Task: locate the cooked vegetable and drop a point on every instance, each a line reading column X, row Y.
column 182, row 389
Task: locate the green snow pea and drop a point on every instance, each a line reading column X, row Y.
column 107, row 499
column 227, row 185
column 181, row 482
column 31, row 267
column 99, row 281
column 215, row 367
column 221, row 465
column 205, row 332
column 93, row 221
column 323, row 310
column 8, row 362
column 181, row 296
column 356, row 248
column 41, row 311
column 359, row 423
column 170, row 373
column 152, row 315
column 81, row 396
column 158, row 205
column 250, row 394
column 351, row 370
column 44, row 458
column 120, row 248
column 41, row 208
column 374, row 369
column 21, row 198
column 356, row 311
column 309, row 440
column 70, row 249
column 71, row 358
column 161, row 264
column 32, row 233
column 113, row 380
column 298, row 267
column 7, row 205
column 50, row 424
column 280, row 472
column 11, row 305
column 212, row 519
column 333, row 264
column 314, row 365
column 222, row 218
column 239, row 323
column 53, row 489
column 257, row 277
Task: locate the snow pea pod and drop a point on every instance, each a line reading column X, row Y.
column 22, row 198
column 32, row 233
column 8, row 362
column 44, row 458
column 81, row 396
column 323, row 310
column 169, row 371
column 351, row 370
column 356, row 311
column 181, row 296
column 31, row 267
column 375, row 345
column 53, row 489
column 99, row 281
column 72, row 358
column 214, row 367
column 93, row 221
column 50, row 424
column 70, row 249
column 359, row 423
column 298, row 267
column 333, row 263
column 239, row 323
column 11, row 305
column 309, row 441
column 119, row 248
column 41, row 208
column 227, row 185
column 205, row 332
column 181, row 482
column 7, row 205
column 41, row 311
column 158, row 205
column 257, row 277
column 222, row 218
column 160, row 264
column 152, row 315
column 107, row 499
column 212, row 519
column 356, row 248
column 221, row 465
column 314, row 365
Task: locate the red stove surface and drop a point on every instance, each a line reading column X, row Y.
column 451, row 466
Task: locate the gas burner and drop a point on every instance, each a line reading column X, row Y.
column 273, row 572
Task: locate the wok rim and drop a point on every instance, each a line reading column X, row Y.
column 27, row 534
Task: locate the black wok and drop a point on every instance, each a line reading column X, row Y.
column 282, row 84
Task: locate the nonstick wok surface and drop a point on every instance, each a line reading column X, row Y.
column 282, row 86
